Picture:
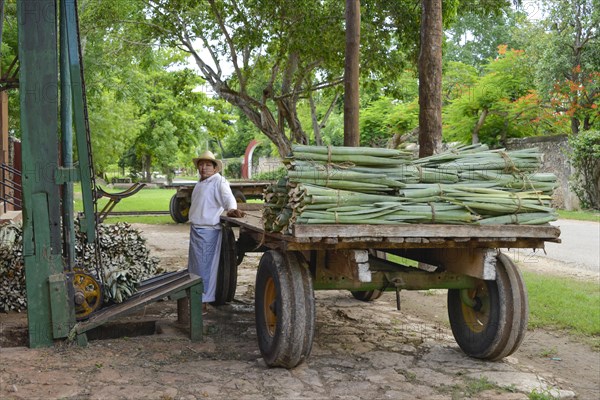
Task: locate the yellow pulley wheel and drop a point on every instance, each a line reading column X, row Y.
column 88, row 295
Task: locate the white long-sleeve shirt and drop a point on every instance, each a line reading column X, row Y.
column 210, row 198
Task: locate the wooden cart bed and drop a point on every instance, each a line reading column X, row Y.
column 362, row 236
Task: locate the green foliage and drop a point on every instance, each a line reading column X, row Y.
column 474, row 40
column 243, row 132
column 500, row 104
column 585, row 158
column 374, row 130
column 566, row 46
column 458, row 78
column 333, row 132
column 272, row 175
column 233, row 169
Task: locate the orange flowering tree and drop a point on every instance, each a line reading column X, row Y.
column 501, row 104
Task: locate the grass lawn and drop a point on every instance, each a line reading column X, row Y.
column 580, row 215
column 141, row 219
column 152, row 199
column 560, row 303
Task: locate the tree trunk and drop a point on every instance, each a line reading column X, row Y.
column 574, row 125
column 147, row 167
column 315, row 121
column 430, row 79
column 478, row 125
column 351, row 74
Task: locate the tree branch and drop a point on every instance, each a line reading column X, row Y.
column 230, row 44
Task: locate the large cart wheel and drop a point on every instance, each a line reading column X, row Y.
column 367, row 295
column 490, row 320
column 227, row 275
column 285, row 309
column 520, row 320
column 179, row 208
column 239, row 196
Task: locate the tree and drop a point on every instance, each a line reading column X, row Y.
column 175, row 118
column 502, row 103
column 473, row 39
column 281, row 44
column 291, row 47
column 567, row 45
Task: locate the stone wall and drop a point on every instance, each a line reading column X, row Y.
column 267, row 164
column 555, row 160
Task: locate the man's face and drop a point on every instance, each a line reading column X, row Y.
column 206, row 169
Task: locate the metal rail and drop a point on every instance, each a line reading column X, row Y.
column 136, row 213
column 11, row 191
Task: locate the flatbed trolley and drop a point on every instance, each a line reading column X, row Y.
column 487, row 297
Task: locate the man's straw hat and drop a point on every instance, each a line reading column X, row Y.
column 208, row 155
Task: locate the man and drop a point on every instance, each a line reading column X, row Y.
column 211, row 196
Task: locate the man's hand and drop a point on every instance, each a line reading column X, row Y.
column 235, row 213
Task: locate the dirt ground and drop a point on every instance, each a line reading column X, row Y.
column 361, row 351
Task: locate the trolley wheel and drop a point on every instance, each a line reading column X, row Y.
column 520, row 320
column 239, row 196
column 285, row 309
column 87, row 295
column 367, row 295
column 227, row 275
column 489, row 321
column 179, row 208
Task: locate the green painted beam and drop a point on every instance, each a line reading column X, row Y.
column 38, row 79
column 87, row 224
column 413, row 280
column 62, row 320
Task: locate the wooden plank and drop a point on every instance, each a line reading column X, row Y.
column 250, row 207
column 427, row 231
column 311, row 237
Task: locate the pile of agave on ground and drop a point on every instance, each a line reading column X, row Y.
column 125, row 261
column 358, row 185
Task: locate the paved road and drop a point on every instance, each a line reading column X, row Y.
column 580, row 247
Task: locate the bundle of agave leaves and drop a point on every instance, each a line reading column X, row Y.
column 12, row 271
column 125, row 261
column 355, row 185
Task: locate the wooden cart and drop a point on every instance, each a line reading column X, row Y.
column 179, row 205
column 487, row 298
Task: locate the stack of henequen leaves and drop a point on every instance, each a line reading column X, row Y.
column 126, row 261
column 357, row 185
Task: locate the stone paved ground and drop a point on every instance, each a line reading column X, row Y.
column 361, row 351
